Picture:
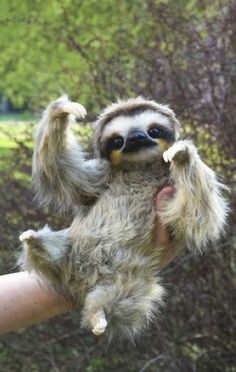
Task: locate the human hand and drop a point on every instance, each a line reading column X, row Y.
column 162, row 236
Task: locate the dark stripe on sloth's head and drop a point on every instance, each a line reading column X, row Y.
column 130, row 111
column 125, row 108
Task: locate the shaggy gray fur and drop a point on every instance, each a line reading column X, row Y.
column 107, row 261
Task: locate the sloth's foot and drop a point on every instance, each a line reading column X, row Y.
column 29, row 236
column 99, row 322
column 62, row 107
column 180, row 151
column 32, row 242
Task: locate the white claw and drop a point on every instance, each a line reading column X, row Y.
column 165, row 156
column 169, row 154
column 100, row 327
column 29, row 234
column 74, row 108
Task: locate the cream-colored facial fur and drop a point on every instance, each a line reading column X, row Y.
column 106, row 263
column 122, row 124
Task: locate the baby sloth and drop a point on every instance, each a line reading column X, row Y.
column 107, row 261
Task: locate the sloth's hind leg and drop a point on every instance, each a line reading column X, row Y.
column 44, row 253
column 123, row 308
column 98, row 322
column 93, row 313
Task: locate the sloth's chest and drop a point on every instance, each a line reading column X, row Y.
column 130, row 198
column 133, row 192
column 125, row 211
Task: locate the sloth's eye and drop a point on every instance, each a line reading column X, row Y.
column 116, row 143
column 155, row 132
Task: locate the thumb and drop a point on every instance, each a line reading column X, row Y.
column 165, row 193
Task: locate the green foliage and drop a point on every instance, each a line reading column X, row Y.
column 62, row 46
column 181, row 52
column 87, row 48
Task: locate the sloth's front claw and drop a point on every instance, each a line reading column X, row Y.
column 62, row 106
column 179, row 151
column 74, row 108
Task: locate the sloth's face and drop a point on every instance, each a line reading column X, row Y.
column 140, row 138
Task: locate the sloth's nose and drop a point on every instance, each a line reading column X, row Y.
column 136, row 136
column 136, row 140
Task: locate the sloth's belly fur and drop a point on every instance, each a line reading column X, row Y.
column 117, row 236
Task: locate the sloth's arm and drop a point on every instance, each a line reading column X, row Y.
column 197, row 212
column 61, row 175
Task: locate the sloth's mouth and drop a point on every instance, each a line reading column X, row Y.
column 137, row 140
column 138, row 147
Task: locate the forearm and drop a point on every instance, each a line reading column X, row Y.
column 54, row 158
column 24, row 302
column 197, row 212
column 61, row 175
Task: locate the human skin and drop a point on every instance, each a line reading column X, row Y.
column 25, row 302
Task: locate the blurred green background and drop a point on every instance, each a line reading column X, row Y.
column 178, row 52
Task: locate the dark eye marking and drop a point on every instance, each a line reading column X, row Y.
column 115, row 143
column 156, row 131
